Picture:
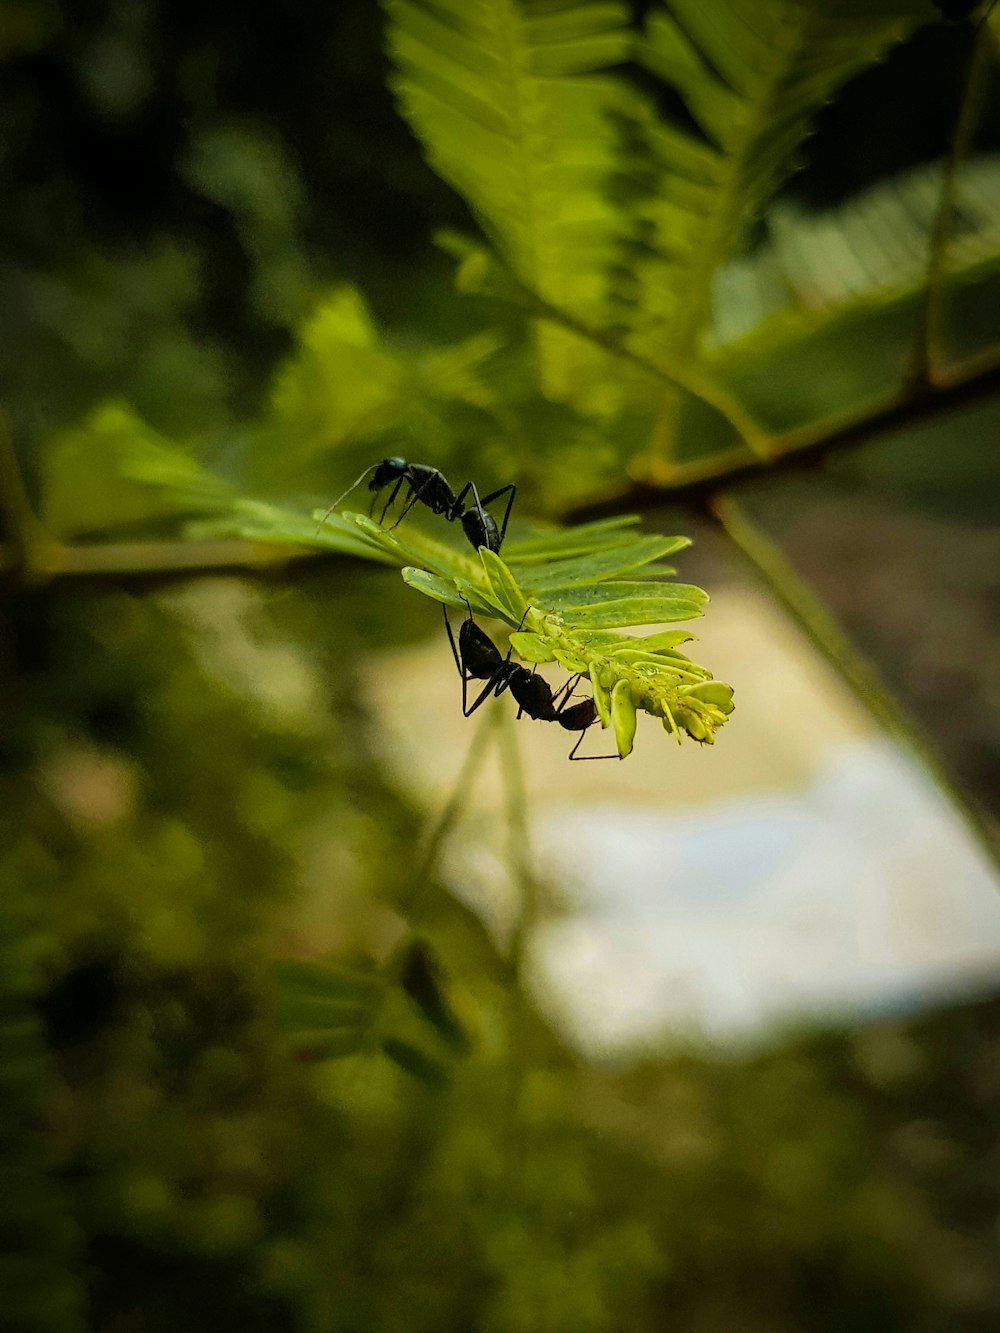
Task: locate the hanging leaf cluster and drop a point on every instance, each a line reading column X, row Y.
column 564, row 595
column 326, row 1011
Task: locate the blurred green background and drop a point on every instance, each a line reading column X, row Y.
column 195, row 782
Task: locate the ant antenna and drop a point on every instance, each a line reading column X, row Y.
column 343, row 496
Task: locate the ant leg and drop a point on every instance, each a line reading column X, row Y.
column 466, row 711
column 564, row 694
column 497, row 683
column 345, row 494
column 495, row 495
column 458, row 508
column 389, row 502
column 416, row 493
column 579, row 742
column 457, row 511
column 491, row 687
column 451, row 640
column 459, row 504
column 583, row 758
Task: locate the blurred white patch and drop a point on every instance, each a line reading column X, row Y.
column 800, row 869
column 859, row 891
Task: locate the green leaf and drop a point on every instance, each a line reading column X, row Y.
column 328, row 1009
column 341, row 384
column 455, row 592
column 415, row 1062
column 346, row 384
column 752, row 74
column 416, row 548
column 600, row 679
column 623, row 717
column 605, row 534
column 652, row 601
column 623, row 558
column 506, row 101
column 421, row 979
column 532, row 647
column 114, row 469
column 818, row 269
column 649, row 643
column 257, row 521
column 633, row 611
column 505, row 587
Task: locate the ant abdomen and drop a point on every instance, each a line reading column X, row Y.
column 481, row 529
column 532, row 693
column 579, row 717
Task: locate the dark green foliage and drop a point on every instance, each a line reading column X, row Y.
column 259, row 1068
column 956, row 11
column 479, row 1180
column 40, row 1286
column 421, row 980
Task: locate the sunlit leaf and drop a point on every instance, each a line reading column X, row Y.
column 623, row 716
column 621, row 559
column 561, row 543
column 752, row 75
column 511, row 112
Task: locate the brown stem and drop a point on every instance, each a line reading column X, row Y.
column 696, row 482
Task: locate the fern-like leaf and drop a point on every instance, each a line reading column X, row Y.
column 751, row 73
column 872, row 250
column 565, row 609
column 507, row 102
column 563, row 593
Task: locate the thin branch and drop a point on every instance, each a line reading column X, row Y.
column 812, row 615
column 518, row 841
column 112, row 558
column 927, row 335
column 156, row 562
column 410, row 901
column 28, row 546
column 697, row 481
column 692, row 483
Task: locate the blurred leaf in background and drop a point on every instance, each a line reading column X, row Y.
column 262, row 1067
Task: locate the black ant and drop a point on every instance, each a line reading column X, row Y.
column 430, row 487
column 478, row 658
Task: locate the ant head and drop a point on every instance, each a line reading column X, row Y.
column 389, row 470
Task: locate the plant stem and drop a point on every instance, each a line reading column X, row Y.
column 518, row 842
column 927, row 335
column 27, row 546
column 681, row 375
column 974, row 379
column 410, row 901
column 808, row 610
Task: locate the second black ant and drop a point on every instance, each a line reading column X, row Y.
column 428, row 486
column 478, row 658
